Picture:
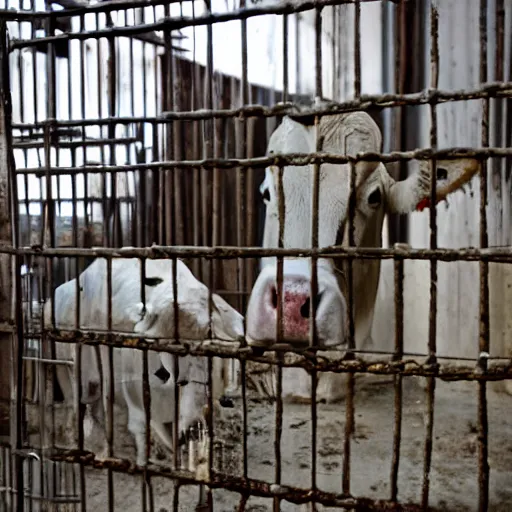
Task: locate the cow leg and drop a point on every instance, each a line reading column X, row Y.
column 231, row 380
column 137, row 427
column 296, row 386
column 100, row 408
column 163, row 434
column 331, row 387
column 66, row 382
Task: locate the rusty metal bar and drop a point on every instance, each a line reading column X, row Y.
column 484, row 329
column 491, row 254
column 304, row 357
column 279, row 337
column 250, row 486
column 432, row 330
column 366, row 101
column 109, row 371
column 115, row 5
column 290, row 159
column 169, row 23
column 399, row 353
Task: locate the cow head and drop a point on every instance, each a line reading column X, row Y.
column 156, row 319
column 377, row 193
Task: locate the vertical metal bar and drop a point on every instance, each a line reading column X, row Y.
column 47, row 378
column 357, row 48
column 298, row 76
column 399, row 349
column 110, row 372
column 176, row 432
column 169, row 199
column 208, row 147
column 146, row 394
column 285, row 58
column 349, row 412
column 242, row 153
column 432, row 335
column 279, row 338
column 313, row 333
column 78, row 350
column 484, row 331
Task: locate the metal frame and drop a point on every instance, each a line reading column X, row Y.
column 165, row 128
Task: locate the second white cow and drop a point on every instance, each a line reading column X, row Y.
column 155, row 318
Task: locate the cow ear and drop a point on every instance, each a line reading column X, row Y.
column 144, row 317
column 227, row 322
column 413, row 194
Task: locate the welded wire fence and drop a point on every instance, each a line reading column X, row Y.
column 127, row 154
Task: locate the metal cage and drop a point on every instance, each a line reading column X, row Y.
column 139, row 129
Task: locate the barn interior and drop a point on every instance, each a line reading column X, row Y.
column 140, row 128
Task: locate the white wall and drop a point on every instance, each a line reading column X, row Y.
column 459, row 124
column 30, row 104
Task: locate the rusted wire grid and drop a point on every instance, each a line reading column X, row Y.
column 168, row 23
column 365, row 101
column 114, row 5
column 290, row 159
column 243, row 486
column 491, row 254
column 498, row 368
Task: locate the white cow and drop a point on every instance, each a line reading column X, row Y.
column 156, row 319
column 377, row 193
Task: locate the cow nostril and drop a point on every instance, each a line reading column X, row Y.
column 304, row 309
column 274, row 298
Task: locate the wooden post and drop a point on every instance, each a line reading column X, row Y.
column 10, row 290
column 6, row 281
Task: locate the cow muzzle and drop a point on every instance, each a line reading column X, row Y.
column 329, row 304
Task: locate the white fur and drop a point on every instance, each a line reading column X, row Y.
column 155, row 320
column 345, row 134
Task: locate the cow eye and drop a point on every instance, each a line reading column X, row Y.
column 152, row 281
column 375, row 198
column 266, row 195
column 442, row 173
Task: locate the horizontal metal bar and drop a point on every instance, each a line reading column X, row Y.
column 76, row 143
column 50, row 361
column 304, row 358
column 78, row 201
column 277, row 347
column 492, row 254
column 248, row 486
column 364, row 102
column 293, row 159
column 239, row 14
column 42, row 42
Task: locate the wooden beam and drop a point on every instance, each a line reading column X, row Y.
column 6, row 281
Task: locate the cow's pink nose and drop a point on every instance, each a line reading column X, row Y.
column 296, row 312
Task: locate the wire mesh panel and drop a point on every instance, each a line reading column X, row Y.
column 203, row 306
